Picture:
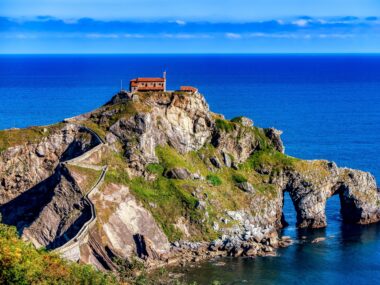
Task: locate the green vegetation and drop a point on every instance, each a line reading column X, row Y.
column 21, row 263
column 155, row 168
column 90, row 176
column 237, row 119
column 174, row 200
column 170, row 158
column 95, row 127
column 214, row 180
column 101, row 120
column 117, row 177
column 239, row 178
column 271, row 160
column 13, row 137
column 264, row 142
column 167, row 201
column 225, row 125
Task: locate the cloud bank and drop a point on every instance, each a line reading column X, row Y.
column 48, row 29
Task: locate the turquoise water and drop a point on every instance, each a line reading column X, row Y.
column 327, row 106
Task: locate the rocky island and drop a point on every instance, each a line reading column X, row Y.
column 159, row 178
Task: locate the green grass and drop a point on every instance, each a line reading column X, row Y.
column 171, row 202
column 264, row 142
column 90, row 176
column 117, row 177
column 95, row 127
column 155, row 168
column 214, row 180
column 169, row 158
column 239, row 178
column 225, row 125
column 13, row 137
column 237, row 119
column 269, row 159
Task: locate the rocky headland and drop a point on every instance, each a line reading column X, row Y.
column 159, row 178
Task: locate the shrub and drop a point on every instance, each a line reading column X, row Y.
column 237, row 119
column 238, row 178
column 224, row 125
column 155, row 168
column 21, row 263
column 214, row 180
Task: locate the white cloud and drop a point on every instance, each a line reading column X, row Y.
column 185, row 36
column 101, row 36
column 301, row 23
column 232, row 36
column 134, row 36
column 336, row 36
column 180, row 22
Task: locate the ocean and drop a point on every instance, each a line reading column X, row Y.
column 327, row 105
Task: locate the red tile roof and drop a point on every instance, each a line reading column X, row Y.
column 148, row 79
column 188, row 88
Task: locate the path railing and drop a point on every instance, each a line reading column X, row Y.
column 74, row 243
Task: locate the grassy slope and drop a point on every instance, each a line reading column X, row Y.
column 167, row 199
column 13, row 137
column 90, row 176
column 170, row 199
column 21, row 263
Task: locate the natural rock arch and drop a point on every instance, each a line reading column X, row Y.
column 359, row 197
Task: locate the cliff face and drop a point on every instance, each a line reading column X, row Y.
column 181, row 180
column 37, row 195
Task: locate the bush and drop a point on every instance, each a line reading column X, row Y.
column 238, row 178
column 237, row 119
column 214, row 180
column 155, row 168
column 224, row 125
column 21, row 263
column 117, row 176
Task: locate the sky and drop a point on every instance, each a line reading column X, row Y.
column 197, row 26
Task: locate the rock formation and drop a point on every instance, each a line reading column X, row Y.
column 182, row 183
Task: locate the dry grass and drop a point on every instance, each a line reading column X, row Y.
column 89, row 176
column 13, row 137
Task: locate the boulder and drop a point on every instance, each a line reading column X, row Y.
column 246, row 187
column 178, row 173
column 275, row 137
column 227, row 159
column 247, row 122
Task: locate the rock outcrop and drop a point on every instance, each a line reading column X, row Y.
column 183, row 122
column 37, row 194
column 183, row 183
column 310, row 190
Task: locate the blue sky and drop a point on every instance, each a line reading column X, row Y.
column 178, row 26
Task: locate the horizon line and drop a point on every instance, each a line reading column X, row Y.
column 196, row 53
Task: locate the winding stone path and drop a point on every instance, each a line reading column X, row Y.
column 71, row 249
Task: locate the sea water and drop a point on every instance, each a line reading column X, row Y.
column 327, row 105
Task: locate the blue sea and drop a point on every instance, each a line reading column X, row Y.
column 327, row 105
